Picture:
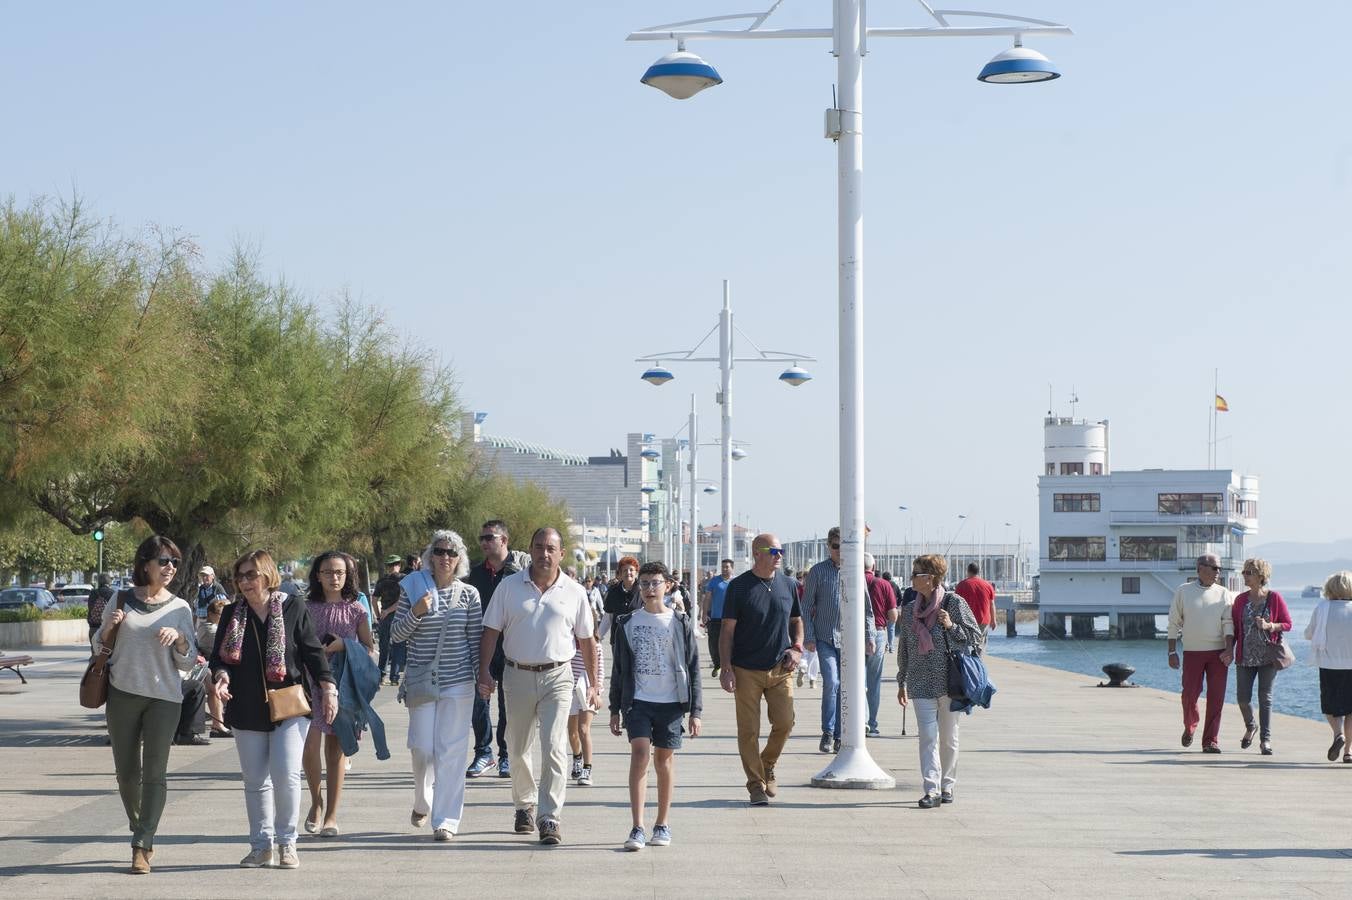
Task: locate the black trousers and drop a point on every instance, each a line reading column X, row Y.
column 192, row 719
column 714, row 627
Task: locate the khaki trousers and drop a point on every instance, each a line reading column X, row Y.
column 776, row 687
column 541, row 698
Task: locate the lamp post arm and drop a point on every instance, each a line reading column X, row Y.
column 1049, row 30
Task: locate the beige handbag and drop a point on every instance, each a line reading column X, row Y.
column 283, row 703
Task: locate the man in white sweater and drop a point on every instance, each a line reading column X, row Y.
column 1200, row 613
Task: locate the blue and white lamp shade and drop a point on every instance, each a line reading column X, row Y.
column 1018, row 65
column 650, row 454
column 648, row 489
column 681, row 75
column 657, row 375
column 795, row 376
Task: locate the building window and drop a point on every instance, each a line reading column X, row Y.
column 1072, row 468
column 1148, row 548
column 1191, row 504
column 1051, row 468
column 1131, row 584
column 1092, row 549
column 1246, row 509
column 1096, row 468
column 1204, row 534
column 1075, row 502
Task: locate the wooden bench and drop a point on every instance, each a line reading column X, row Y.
column 13, row 662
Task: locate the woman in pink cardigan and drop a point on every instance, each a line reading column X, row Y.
column 1260, row 616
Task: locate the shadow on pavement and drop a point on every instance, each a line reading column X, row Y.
column 1246, row 853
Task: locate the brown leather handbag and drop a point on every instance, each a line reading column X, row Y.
column 283, row 703
column 94, row 683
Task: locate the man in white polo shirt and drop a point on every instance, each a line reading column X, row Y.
column 1201, row 614
column 539, row 612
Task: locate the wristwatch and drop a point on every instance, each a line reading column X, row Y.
column 798, row 647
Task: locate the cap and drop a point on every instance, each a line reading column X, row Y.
column 206, row 570
column 393, row 559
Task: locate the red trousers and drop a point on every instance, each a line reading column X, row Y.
column 1198, row 664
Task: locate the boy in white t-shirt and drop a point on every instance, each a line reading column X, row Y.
column 654, row 684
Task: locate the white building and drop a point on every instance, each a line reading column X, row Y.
column 1118, row 544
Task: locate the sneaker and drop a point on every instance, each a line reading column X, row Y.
column 576, row 772
column 584, row 777
column 758, row 796
column 1186, row 740
column 525, row 820
column 929, row 801
column 417, row 819
column 257, row 859
column 479, row 766
column 835, row 746
column 550, row 832
column 715, row 672
column 637, row 840
column 287, row 858
column 1212, row 748
column 825, row 745
column 661, row 836
column 504, row 768
column 443, row 835
column 800, row 679
column 946, row 797
column 873, row 732
column 812, row 682
column 770, row 785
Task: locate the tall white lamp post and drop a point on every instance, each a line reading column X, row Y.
column 682, row 75
column 658, row 374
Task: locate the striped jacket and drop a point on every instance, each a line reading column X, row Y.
column 460, row 653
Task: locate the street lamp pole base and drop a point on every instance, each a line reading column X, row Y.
column 853, row 768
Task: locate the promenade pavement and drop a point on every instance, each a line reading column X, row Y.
column 1064, row 790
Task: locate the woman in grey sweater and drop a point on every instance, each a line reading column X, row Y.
column 148, row 632
column 934, row 622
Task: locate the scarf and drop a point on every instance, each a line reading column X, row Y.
column 274, row 654
column 924, row 617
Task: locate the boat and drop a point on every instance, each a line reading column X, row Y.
column 1312, row 590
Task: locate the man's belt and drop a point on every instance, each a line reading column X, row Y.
column 536, row 667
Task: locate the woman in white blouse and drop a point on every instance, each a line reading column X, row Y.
column 1330, row 635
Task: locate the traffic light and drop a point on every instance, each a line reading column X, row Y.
column 98, row 535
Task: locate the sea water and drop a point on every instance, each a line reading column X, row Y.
column 1295, row 691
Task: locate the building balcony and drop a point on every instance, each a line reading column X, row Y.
column 1154, row 517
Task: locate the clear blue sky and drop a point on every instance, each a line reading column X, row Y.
column 496, row 178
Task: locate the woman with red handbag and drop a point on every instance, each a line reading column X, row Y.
column 265, row 646
column 150, row 633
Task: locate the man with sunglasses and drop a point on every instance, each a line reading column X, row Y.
column 497, row 564
column 760, row 643
column 1200, row 614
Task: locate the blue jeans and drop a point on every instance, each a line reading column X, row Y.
column 483, row 729
column 270, row 762
column 398, row 659
column 828, row 657
column 891, row 635
column 873, row 683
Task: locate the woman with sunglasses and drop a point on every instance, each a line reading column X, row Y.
column 936, row 621
column 441, row 618
column 148, row 632
column 265, row 641
column 336, row 615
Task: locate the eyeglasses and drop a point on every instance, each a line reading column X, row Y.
column 330, row 573
column 651, row 585
column 921, row 575
column 444, row 551
column 835, row 546
column 169, row 561
column 246, row 576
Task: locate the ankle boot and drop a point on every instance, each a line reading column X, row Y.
column 140, row 861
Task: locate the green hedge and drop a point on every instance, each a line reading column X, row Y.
column 31, row 614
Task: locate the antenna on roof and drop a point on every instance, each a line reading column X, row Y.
column 1074, row 398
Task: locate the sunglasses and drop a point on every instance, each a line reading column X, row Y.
column 246, row 576
column 834, row 546
column 444, row 551
column 1199, row 565
column 773, row 551
column 169, row 561
column 487, row 538
column 651, row 585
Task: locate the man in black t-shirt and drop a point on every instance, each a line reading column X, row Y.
column 760, row 643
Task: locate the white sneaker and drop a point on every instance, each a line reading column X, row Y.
column 287, row 858
column 443, row 834
column 584, row 777
column 257, row 859
column 576, row 773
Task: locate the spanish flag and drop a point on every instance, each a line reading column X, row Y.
column 1221, row 405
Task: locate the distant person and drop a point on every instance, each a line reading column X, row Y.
column 712, row 609
column 386, row 593
column 149, row 636
column 979, row 594
column 1201, row 614
column 206, row 640
column 412, row 563
column 98, row 601
column 1259, row 617
column 208, row 589
column 540, row 613
column 622, row 597
column 760, row 645
column 291, row 584
column 935, row 622
column 498, row 563
column 581, row 712
column 1330, row 636
column 264, row 643
column 896, row 595
column 882, row 611
column 821, row 607
column 655, row 684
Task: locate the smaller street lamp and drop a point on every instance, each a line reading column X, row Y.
column 681, row 75
column 1018, row 65
column 657, row 375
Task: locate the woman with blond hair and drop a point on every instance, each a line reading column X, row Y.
column 1330, row 636
column 936, row 621
column 265, row 643
column 441, row 618
column 1259, row 616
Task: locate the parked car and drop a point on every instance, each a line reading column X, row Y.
column 73, row 594
column 18, row 598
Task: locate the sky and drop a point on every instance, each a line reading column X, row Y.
column 497, row 180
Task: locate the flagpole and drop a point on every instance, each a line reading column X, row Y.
column 1215, row 392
